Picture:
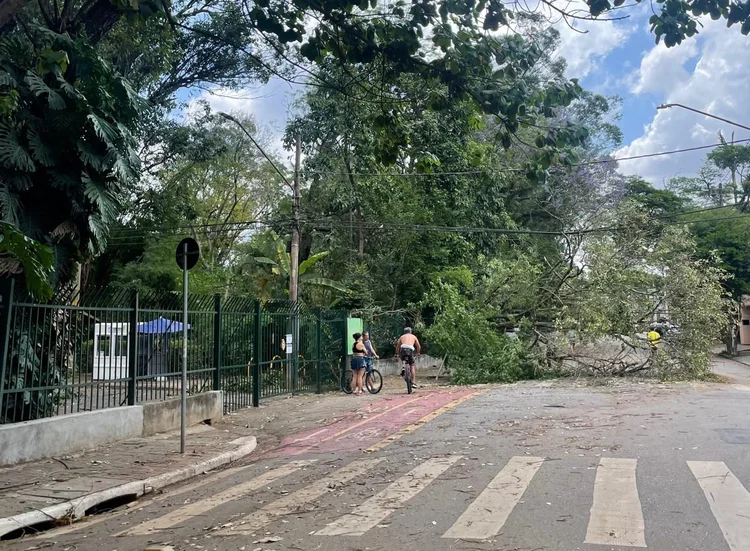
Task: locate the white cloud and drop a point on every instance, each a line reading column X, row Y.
column 270, row 106
column 588, row 43
column 717, row 85
column 662, row 69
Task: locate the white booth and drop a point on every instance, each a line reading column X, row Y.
column 154, row 347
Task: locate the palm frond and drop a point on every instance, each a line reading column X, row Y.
column 6, row 79
column 305, row 265
column 39, row 88
column 12, row 153
column 67, row 88
column 19, row 181
column 264, row 260
column 90, row 158
column 284, row 263
column 36, row 259
column 97, row 193
column 106, row 131
column 42, row 154
column 9, row 205
column 324, row 282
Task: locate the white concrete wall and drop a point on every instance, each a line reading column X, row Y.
column 77, row 432
column 391, row 366
column 68, row 434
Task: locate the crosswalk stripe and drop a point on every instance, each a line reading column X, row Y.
column 190, row 510
column 728, row 499
column 486, row 516
column 616, row 517
column 291, row 503
column 379, row 507
column 87, row 522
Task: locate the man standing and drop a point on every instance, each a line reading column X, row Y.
column 406, row 347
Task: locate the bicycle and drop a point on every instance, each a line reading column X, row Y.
column 407, row 376
column 373, row 380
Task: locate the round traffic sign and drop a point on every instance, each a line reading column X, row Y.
column 193, row 253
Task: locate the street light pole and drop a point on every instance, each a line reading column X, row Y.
column 668, row 105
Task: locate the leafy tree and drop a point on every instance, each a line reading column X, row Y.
column 628, row 277
column 656, row 202
column 67, row 147
column 214, row 187
column 722, row 178
column 274, row 269
column 20, row 254
column 735, row 159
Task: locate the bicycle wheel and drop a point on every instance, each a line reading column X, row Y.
column 373, row 381
column 407, row 378
column 346, row 381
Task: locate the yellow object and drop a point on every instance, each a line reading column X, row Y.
column 654, row 338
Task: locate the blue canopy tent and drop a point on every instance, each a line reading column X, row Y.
column 154, row 350
column 160, row 326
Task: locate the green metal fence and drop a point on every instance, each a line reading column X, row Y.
column 107, row 349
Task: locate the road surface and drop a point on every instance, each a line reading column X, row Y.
column 536, row 466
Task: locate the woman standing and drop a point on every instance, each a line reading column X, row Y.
column 358, row 364
column 371, row 353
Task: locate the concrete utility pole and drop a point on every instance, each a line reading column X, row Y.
column 294, row 261
column 668, row 105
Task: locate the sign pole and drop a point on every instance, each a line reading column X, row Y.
column 188, row 253
column 183, row 392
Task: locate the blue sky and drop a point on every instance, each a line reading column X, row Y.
column 709, row 72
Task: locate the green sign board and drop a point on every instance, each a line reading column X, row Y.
column 353, row 325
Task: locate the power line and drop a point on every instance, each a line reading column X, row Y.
column 520, row 170
column 476, row 229
column 241, row 226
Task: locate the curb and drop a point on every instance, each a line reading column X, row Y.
column 75, row 509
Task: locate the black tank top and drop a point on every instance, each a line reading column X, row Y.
column 355, row 350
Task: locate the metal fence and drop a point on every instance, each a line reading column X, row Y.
column 107, row 349
column 384, row 327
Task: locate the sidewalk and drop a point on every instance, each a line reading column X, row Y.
column 64, row 488
column 67, row 487
column 736, row 369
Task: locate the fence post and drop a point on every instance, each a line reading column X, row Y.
column 344, row 346
column 318, row 351
column 258, row 353
column 133, row 350
column 217, row 341
column 6, row 317
column 295, row 345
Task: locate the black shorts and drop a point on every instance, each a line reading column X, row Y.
column 407, row 356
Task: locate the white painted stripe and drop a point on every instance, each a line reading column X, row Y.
column 209, row 478
column 728, row 499
column 486, row 516
column 195, row 508
column 291, row 503
column 616, row 517
column 376, row 509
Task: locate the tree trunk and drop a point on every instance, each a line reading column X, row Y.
column 730, row 336
column 9, row 9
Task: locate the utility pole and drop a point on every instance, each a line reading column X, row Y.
column 294, row 263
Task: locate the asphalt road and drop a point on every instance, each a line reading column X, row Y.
column 536, row 466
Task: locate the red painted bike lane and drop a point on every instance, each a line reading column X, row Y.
column 385, row 418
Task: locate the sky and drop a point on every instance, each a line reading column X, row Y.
column 709, row 72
